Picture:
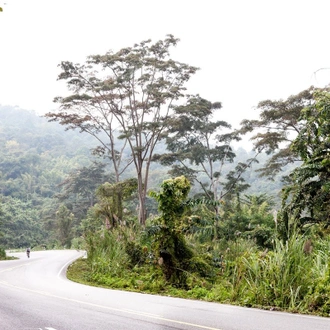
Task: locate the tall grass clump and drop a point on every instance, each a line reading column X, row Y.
column 106, row 255
column 231, row 284
column 318, row 299
column 280, row 278
column 288, row 272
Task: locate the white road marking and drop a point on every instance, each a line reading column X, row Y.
column 47, row 328
column 66, row 265
column 19, row 266
column 127, row 311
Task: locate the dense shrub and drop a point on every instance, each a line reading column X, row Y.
column 2, row 254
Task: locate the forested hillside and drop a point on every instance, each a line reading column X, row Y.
column 37, row 160
column 36, row 157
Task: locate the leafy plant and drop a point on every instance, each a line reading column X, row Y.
column 169, row 242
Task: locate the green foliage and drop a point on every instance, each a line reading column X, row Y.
column 318, row 298
column 293, row 276
column 20, row 224
column 78, row 243
column 136, row 253
column 36, row 156
column 306, row 198
column 201, row 266
column 93, row 222
column 106, row 254
column 111, row 198
column 2, row 254
column 64, row 224
column 250, row 217
column 277, row 278
column 133, row 89
column 168, row 241
column 278, row 124
column 79, row 188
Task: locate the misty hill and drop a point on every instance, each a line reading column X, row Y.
column 35, row 133
column 37, row 156
column 25, row 136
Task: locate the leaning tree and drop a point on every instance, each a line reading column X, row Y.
column 123, row 99
column 306, row 200
column 276, row 128
column 199, row 146
column 196, row 144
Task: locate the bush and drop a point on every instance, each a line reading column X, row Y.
column 2, row 254
column 78, row 243
column 136, row 253
column 200, row 266
column 106, row 253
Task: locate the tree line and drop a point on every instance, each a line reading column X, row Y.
column 46, row 170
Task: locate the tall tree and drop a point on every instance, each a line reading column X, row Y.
column 125, row 95
column 82, row 184
column 276, row 129
column 307, row 198
column 198, row 145
column 64, row 224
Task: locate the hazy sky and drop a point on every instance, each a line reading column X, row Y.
column 247, row 50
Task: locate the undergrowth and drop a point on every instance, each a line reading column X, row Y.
column 290, row 277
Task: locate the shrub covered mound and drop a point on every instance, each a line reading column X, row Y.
column 174, row 255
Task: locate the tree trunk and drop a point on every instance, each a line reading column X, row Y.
column 142, row 200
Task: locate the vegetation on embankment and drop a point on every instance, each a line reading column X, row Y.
column 281, row 269
column 293, row 276
column 3, row 255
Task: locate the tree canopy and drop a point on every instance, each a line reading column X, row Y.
column 125, row 95
column 276, row 128
column 308, row 196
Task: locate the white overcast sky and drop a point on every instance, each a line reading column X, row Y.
column 247, row 50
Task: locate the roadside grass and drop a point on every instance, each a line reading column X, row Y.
column 151, row 282
column 8, row 258
column 4, row 256
column 81, row 272
column 288, row 278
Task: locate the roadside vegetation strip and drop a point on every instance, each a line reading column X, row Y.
column 276, row 280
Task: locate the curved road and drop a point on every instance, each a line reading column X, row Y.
column 35, row 295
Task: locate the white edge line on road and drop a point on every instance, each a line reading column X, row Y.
column 127, row 311
column 67, row 264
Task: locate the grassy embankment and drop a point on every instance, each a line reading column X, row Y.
column 293, row 277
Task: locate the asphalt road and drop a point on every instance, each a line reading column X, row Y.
column 35, row 294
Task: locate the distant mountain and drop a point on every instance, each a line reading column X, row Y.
column 34, row 132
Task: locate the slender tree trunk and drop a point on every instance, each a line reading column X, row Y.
column 142, row 200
